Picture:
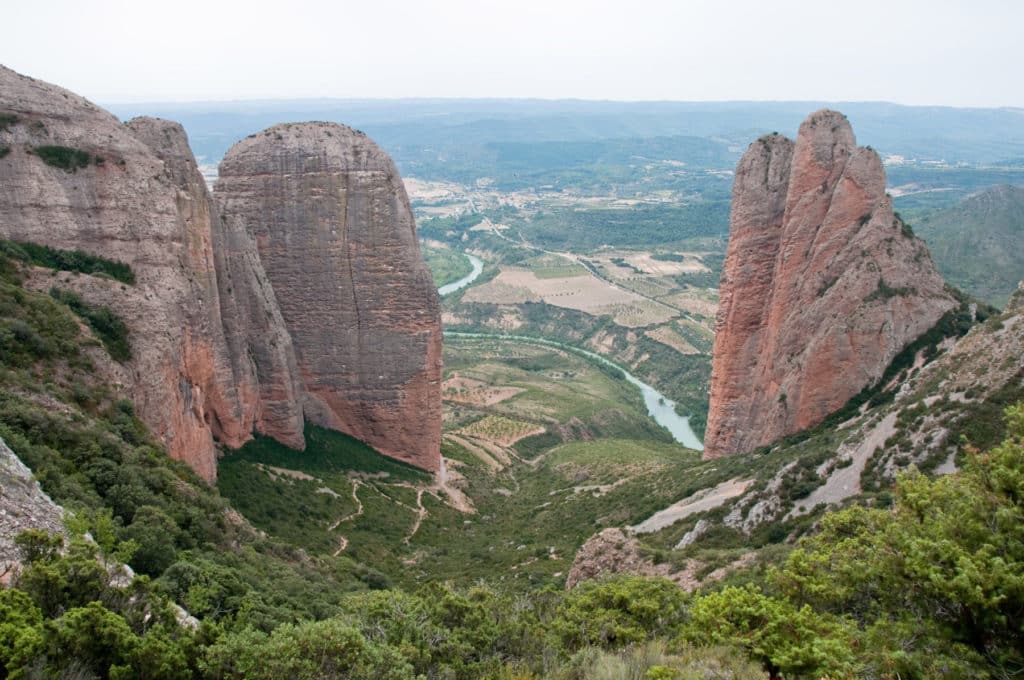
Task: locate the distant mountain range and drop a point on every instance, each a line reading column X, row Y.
column 405, row 127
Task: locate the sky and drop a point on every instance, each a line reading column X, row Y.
column 944, row 52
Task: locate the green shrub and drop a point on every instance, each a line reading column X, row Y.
column 619, row 611
column 110, row 328
column 64, row 157
column 67, row 260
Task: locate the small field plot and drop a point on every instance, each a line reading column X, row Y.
column 549, row 266
column 667, row 335
column 501, row 430
column 584, row 293
column 666, row 265
column 697, row 301
column 642, row 313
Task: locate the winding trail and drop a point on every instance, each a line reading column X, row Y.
column 420, row 516
column 359, row 507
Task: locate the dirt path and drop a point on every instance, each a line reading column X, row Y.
column 456, row 497
column 421, row 514
column 443, row 489
column 845, row 482
column 698, row 502
column 359, row 507
column 476, row 451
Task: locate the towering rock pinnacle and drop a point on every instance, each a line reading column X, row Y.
column 822, row 286
column 335, row 234
column 309, row 302
column 139, row 199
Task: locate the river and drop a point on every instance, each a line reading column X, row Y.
column 659, row 407
column 478, row 268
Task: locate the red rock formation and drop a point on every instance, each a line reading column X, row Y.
column 342, row 326
column 822, row 286
column 144, row 204
column 336, row 236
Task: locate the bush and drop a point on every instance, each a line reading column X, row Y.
column 619, row 611
column 67, row 260
column 111, row 330
column 781, row 636
column 64, row 157
column 309, row 651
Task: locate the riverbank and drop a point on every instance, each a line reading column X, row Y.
column 478, row 268
column 660, row 408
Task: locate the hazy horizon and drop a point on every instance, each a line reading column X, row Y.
column 937, row 53
column 553, row 100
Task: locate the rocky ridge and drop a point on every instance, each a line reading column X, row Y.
column 213, row 358
column 823, row 285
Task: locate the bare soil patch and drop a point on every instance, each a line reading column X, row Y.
column 706, row 499
column 667, row 336
column 476, row 393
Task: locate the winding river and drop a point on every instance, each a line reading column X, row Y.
column 478, row 268
column 659, row 407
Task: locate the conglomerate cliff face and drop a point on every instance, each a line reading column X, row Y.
column 822, row 286
column 345, row 333
column 138, row 199
column 335, row 234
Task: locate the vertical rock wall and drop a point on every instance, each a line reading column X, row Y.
column 335, row 233
column 139, row 200
column 310, row 300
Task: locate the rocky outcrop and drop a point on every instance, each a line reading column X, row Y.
column 608, row 552
column 822, row 286
column 321, row 309
column 132, row 193
column 23, row 506
column 335, row 234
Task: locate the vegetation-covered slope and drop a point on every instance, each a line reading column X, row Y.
column 927, row 586
column 977, row 242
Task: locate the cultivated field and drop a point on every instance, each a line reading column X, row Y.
column 580, row 291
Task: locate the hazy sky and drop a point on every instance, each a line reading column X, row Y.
column 957, row 52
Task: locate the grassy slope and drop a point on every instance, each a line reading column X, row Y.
column 977, row 242
column 529, row 520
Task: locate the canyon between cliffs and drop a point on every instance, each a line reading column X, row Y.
column 297, row 293
column 823, row 285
